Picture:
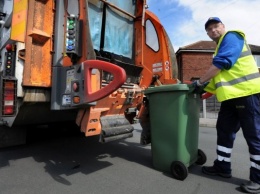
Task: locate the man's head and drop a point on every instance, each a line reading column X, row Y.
column 215, row 28
column 212, row 20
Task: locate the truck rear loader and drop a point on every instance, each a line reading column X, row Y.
column 80, row 61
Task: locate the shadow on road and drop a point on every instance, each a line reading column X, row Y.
column 67, row 153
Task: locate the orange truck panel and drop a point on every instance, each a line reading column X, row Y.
column 38, row 41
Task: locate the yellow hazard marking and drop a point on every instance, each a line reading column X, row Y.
column 18, row 28
column 19, row 5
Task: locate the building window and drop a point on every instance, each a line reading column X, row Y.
column 257, row 59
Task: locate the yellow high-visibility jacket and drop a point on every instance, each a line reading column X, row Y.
column 242, row 79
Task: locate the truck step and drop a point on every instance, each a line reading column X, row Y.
column 115, row 128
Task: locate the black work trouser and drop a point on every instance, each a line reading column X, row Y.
column 243, row 112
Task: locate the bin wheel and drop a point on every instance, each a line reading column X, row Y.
column 179, row 170
column 202, row 158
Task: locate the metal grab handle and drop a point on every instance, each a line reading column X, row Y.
column 118, row 80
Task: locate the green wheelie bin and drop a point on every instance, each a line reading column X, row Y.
column 174, row 118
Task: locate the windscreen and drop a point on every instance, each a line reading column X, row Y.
column 95, row 8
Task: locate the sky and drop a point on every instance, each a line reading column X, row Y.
column 184, row 20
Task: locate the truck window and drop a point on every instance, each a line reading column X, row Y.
column 95, row 21
column 151, row 36
column 118, row 29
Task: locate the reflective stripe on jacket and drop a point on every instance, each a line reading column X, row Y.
column 242, row 79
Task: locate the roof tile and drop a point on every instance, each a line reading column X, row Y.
column 211, row 45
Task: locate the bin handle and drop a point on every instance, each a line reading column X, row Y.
column 204, row 95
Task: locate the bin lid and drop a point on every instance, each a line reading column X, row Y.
column 167, row 88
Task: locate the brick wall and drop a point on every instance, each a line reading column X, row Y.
column 194, row 64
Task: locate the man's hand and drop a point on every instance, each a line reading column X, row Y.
column 197, row 83
column 199, row 87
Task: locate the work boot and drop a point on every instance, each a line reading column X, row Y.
column 250, row 187
column 212, row 170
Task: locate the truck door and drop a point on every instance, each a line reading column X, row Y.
column 158, row 57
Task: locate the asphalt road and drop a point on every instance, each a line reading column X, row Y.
column 73, row 164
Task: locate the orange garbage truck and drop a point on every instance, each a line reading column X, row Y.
column 80, row 61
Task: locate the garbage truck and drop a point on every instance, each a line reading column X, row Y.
column 84, row 62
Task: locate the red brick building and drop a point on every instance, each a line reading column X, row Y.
column 195, row 59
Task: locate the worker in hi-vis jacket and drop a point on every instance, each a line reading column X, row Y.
column 235, row 80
